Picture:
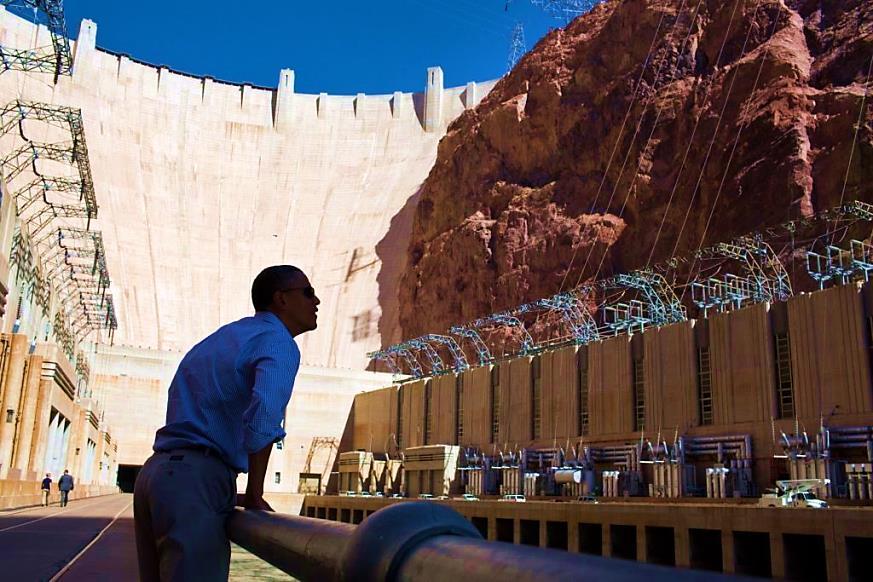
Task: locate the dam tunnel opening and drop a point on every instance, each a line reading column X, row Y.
column 127, row 475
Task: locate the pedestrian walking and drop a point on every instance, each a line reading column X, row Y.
column 225, row 410
column 65, row 484
column 46, row 489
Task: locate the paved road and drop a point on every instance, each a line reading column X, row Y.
column 36, row 544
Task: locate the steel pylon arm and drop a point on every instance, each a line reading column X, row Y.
column 458, row 356
column 56, row 58
column 509, row 320
column 482, row 351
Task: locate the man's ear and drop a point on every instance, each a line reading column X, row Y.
column 277, row 298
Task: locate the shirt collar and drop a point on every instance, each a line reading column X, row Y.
column 273, row 319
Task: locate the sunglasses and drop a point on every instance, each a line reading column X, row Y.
column 308, row 291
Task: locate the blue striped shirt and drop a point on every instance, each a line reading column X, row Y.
column 231, row 390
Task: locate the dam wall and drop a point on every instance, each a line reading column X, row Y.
column 202, row 183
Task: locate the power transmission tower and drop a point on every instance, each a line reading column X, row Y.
column 517, row 46
column 566, row 10
column 55, row 58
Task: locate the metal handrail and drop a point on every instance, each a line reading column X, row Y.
column 420, row 541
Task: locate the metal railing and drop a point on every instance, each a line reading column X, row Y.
column 420, row 541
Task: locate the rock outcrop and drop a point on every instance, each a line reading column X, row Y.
column 642, row 130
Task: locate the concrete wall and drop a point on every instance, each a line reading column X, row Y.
column 375, row 421
column 202, row 183
column 560, row 396
column 134, row 383
column 443, row 410
column 609, row 386
column 515, row 402
column 830, row 351
column 412, row 414
column 477, row 407
column 670, row 362
column 14, row 494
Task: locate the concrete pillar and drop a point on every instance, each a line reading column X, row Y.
column 65, row 430
column 360, row 103
column 396, row 102
column 573, row 537
column 50, row 463
column 98, row 459
column 641, row 544
column 322, row 105
column 777, row 556
column 86, row 48
column 470, row 96
column 41, row 432
column 13, row 382
column 27, row 423
column 543, row 534
column 728, row 561
column 206, row 91
column 681, row 547
column 283, row 110
column 606, row 538
column 163, row 80
column 516, row 531
column 433, row 99
column 78, row 438
column 492, row 529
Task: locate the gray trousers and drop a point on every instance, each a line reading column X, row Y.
column 181, row 501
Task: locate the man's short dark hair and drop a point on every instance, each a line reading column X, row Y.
column 269, row 281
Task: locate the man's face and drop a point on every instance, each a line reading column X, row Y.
column 296, row 304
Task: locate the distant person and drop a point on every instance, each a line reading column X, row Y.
column 225, row 410
column 46, row 489
column 65, row 484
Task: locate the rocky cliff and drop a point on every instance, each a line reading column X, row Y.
column 641, row 131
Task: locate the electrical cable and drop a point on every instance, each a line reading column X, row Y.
column 633, row 141
column 743, row 124
column 617, row 142
column 658, row 116
column 857, row 131
column 685, row 156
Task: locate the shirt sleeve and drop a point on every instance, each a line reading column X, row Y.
column 275, row 367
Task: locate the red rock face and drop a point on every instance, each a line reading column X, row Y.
column 598, row 155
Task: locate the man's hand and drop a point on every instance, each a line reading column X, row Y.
column 255, row 502
column 254, row 497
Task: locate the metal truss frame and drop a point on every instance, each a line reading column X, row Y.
column 469, row 333
column 659, row 305
column 565, row 10
column 507, row 319
column 578, row 318
column 57, row 58
column 458, row 357
column 835, row 263
column 73, row 257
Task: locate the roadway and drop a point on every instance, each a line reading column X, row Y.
column 90, row 539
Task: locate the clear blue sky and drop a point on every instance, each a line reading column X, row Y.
column 340, row 47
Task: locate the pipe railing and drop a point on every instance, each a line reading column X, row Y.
column 420, row 540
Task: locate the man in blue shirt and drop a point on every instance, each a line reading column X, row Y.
column 225, row 410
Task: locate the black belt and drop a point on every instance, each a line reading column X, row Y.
column 201, row 449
